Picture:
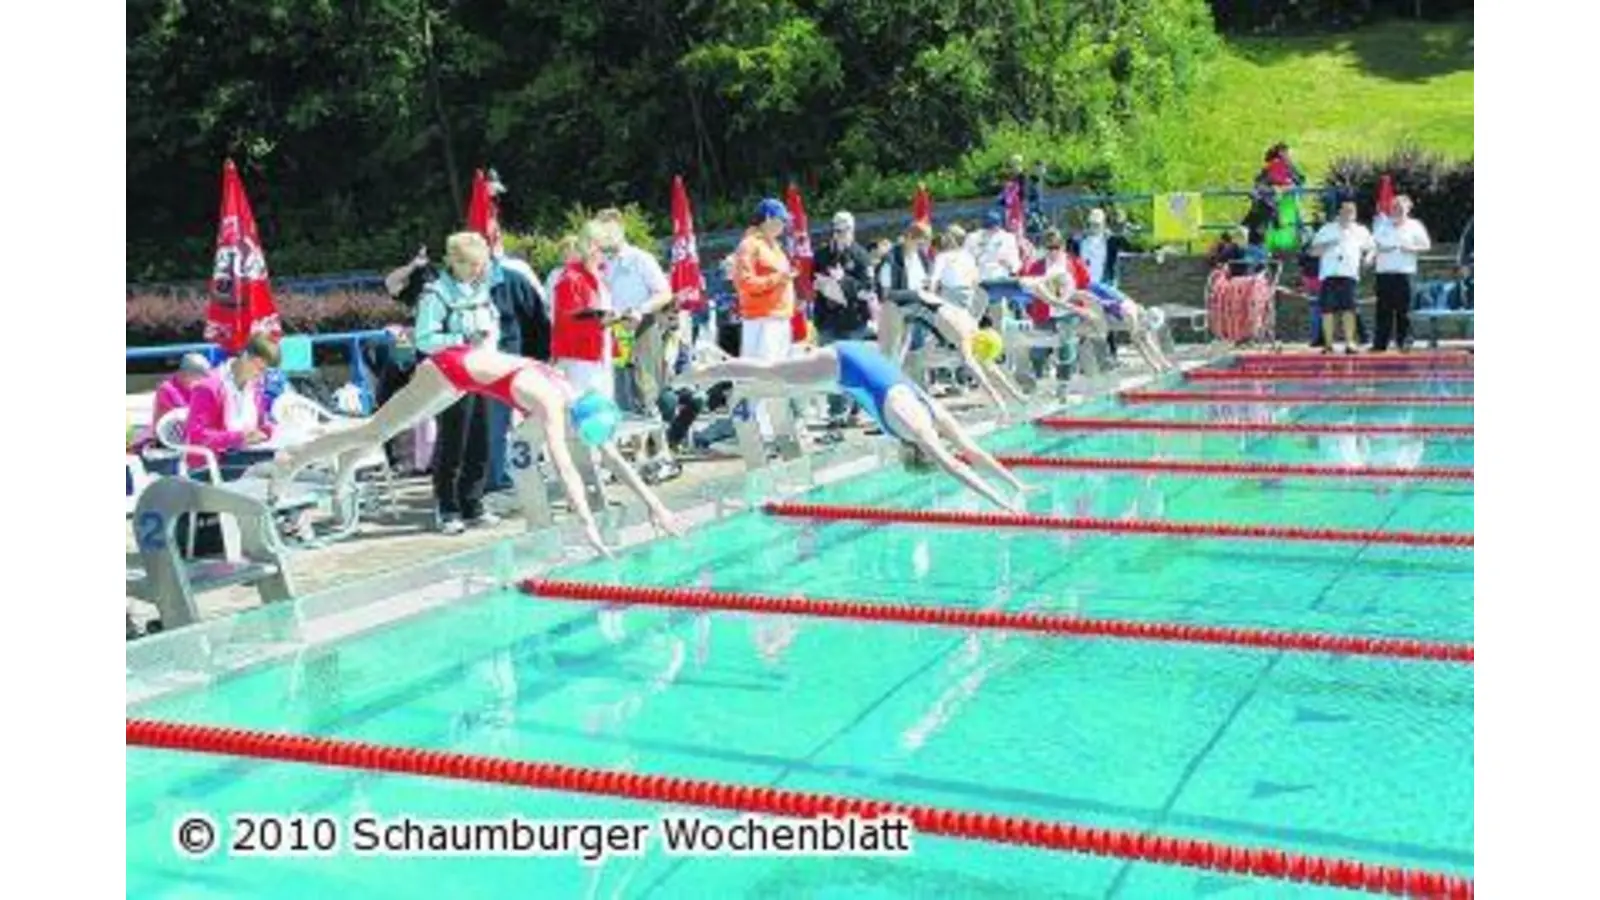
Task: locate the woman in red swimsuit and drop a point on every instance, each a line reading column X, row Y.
column 552, row 407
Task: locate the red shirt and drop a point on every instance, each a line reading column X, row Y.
column 572, row 337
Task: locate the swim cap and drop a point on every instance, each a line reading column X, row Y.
column 770, row 208
column 987, row 345
column 596, row 417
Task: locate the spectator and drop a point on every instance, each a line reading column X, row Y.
column 1399, row 239
column 1057, row 260
column 1101, row 252
column 843, row 308
column 523, row 330
column 1254, row 257
column 228, row 411
column 174, row 393
column 457, row 308
column 995, row 249
column 580, row 339
column 1464, row 265
column 1227, row 250
column 406, row 284
column 641, row 298
column 567, row 248
column 955, row 272
column 764, row 280
column 906, row 268
column 1343, row 247
column 1278, row 169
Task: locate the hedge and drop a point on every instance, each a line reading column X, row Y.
column 1441, row 190
column 155, row 319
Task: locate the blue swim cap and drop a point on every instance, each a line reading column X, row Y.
column 771, row 209
column 596, row 417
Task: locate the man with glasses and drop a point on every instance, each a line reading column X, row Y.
column 843, row 308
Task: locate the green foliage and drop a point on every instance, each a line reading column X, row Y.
column 1441, row 189
column 542, row 250
column 357, row 125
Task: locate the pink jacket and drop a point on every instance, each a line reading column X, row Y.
column 173, row 394
column 208, row 415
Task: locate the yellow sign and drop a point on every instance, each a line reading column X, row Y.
column 622, row 345
column 1177, row 218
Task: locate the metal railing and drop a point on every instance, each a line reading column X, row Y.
column 352, row 341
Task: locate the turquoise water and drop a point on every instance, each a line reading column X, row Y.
column 1347, row 757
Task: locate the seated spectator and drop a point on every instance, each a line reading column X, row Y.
column 955, row 272
column 228, row 410
column 1227, row 250
column 1253, row 258
column 175, row 391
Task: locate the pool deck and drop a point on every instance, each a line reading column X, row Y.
column 406, row 536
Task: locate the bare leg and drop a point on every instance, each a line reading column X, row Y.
column 658, row 511
column 812, row 371
column 428, row 394
column 1327, row 331
column 1349, row 329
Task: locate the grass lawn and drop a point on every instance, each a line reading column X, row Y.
column 1364, row 91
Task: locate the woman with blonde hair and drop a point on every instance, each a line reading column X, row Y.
column 457, row 330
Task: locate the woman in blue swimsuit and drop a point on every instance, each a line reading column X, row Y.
column 899, row 407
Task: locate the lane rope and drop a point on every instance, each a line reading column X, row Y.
column 1030, row 521
column 1360, row 359
column 1235, row 469
column 1067, row 423
column 1053, row 624
column 965, row 825
column 1303, row 374
column 1291, row 399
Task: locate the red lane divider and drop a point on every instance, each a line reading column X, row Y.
column 1063, row 423
column 1408, row 359
column 1290, row 399
column 1230, row 469
column 1199, row 854
column 1251, row 373
column 1119, row 526
column 999, row 620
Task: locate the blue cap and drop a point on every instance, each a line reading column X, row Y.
column 994, row 218
column 771, row 209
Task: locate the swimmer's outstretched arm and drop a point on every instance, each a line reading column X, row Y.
column 658, row 511
column 953, row 430
column 555, row 428
column 964, row 473
column 813, row 371
column 905, row 409
column 1004, row 380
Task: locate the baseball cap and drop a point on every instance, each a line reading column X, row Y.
column 843, row 221
column 771, row 209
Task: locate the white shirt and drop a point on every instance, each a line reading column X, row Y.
column 633, row 278
column 954, row 270
column 1345, row 248
column 916, row 274
column 996, row 252
column 239, row 412
column 1399, row 244
column 1092, row 248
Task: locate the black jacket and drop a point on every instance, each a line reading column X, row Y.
column 523, row 327
column 857, row 266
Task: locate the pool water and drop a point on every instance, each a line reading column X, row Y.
column 1350, row 757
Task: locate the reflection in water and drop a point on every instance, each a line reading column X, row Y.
column 920, row 560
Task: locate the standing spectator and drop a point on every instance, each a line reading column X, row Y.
column 904, row 270
column 1464, row 265
column 457, row 309
column 998, row 256
column 580, row 339
column 1058, row 259
column 1228, row 249
column 641, row 298
column 1399, row 239
column 1343, row 246
column 1101, row 252
column 843, row 307
column 764, row 280
column 955, row 272
column 228, row 410
column 523, row 330
column 174, row 393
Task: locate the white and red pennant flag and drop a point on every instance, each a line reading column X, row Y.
column 922, row 206
column 688, row 285
column 240, row 302
column 801, row 259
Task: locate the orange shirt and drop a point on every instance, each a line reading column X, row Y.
column 759, row 276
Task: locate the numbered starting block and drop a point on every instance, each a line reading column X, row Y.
column 747, row 432
column 524, row 447
column 253, row 554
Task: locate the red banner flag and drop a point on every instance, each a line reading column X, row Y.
column 799, row 244
column 240, row 302
column 688, row 285
column 1386, row 196
column 483, row 213
column 922, row 206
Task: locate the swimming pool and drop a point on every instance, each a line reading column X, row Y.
column 1349, row 757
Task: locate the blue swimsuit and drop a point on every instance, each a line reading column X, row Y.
column 867, row 375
